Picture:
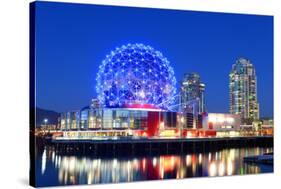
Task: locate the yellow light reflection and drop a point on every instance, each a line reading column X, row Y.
column 188, row 160
column 221, row 169
column 229, row 167
column 43, row 165
column 212, row 169
column 200, row 158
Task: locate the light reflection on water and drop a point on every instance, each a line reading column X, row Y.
column 64, row 170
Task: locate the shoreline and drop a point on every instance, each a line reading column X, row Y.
column 160, row 140
column 155, row 146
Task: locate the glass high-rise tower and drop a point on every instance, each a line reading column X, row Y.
column 243, row 91
column 192, row 93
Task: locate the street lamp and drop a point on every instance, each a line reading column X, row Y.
column 45, row 123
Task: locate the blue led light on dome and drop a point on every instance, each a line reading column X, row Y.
column 135, row 74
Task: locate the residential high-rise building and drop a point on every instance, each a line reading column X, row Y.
column 243, row 91
column 192, row 94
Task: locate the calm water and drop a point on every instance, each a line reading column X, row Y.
column 54, row 169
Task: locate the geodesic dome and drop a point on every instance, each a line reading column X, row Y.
column 135, row 74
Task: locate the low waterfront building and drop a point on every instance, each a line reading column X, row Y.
column 267, row 122
column 224, row 124
column 69, row 120
column 130, row 121
column 142, row 121
column 263, row 127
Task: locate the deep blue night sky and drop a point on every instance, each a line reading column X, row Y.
column 73, row 39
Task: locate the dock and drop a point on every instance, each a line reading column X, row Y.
column 260, row 159
column 157, row 145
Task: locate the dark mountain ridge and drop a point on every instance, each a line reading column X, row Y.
column 50, row 115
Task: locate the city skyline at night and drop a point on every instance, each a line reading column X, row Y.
column 125, row 94
column 209, row 43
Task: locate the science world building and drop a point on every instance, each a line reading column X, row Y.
column 136, row 74
column 136, row 96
